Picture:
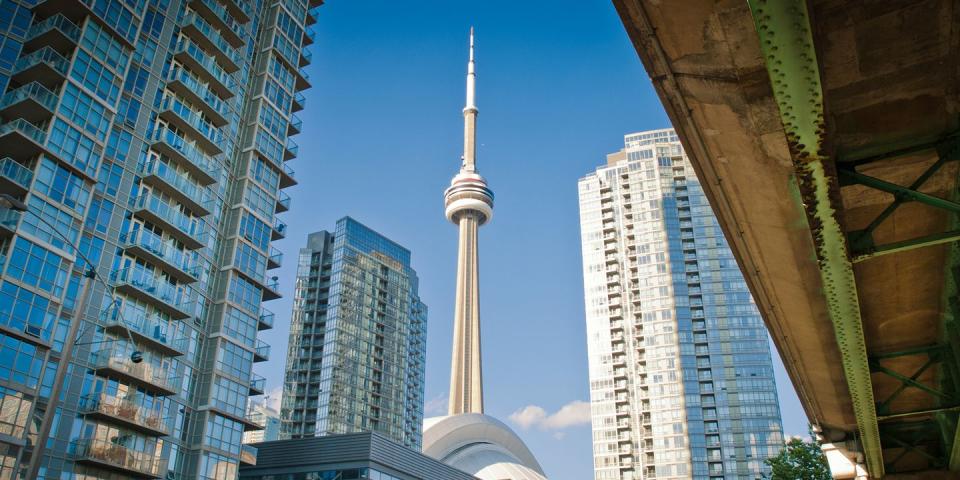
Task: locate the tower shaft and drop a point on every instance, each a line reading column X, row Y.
column 466, row 374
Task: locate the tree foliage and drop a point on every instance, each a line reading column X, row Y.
column 800, row 460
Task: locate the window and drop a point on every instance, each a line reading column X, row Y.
column 85, row 112
column 234, row 360
column 75, row 147
column 224, row 434
column 36, row 266
column 25, row 311
column 59, row 184
column 96, row 77
column 20, row 362
column 254, row 230
column 246, row 294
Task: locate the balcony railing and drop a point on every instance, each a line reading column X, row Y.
column 14, row 177
column 186, row 119
column 198, row 199
column 56, row 30
column 190, row 230
column 261, row 351
column 199, row 163
column 295, row 126
column 166, row 296
column 129, row 413
column 283, row 202
column 116, row 362
column 291, row 150
column 151, row 330
column 24, row 128
column 211, row 39
column 279, row 230
column 9, row 219
column 288, row 177
column 309, row 36
column 248, row 455
column 257, row 384
column 214, row 107
column 110, row 454
column 275, row 260
column 305, row 58
column 191, row 54
column 214, row 12
column 271, row 289
column 266, row 319
column 178, row 263
column 56, row 67
column 299, row 102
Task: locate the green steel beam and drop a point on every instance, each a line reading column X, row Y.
column 897, row 190
column 786, row 39
column 868, row 251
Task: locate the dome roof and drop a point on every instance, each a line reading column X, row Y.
column 480, row 445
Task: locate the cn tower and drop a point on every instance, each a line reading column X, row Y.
column 469, row 204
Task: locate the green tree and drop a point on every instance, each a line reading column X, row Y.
column 800, row 460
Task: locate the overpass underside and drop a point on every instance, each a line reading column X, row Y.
column 825, row 134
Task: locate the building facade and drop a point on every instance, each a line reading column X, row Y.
column 355, row 361
column 681, row 377
column 351, row 456
column 150, row 138
column 262, row 414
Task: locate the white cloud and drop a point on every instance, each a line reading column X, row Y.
column 436, row 406
column 572, row 414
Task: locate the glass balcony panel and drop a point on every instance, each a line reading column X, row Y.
column 305, row 58
column 283, row 202
column 261, row 351
column 209, row 38
column 44, row 65
column 258, row 384
column 266, row 319
column 115, row 361
column 173, row 299
column 217, row 15
column 291, row 150
column 21, row 139
column 57, row 32
column 271, row 288
column 295, row 126
column 193, row 56
column 209, row 137
column 279, row 230
column 192, row 158
column 248, row 455
column 150, row 246
column 287, row 177
column 15, row 178
column 9, row 219
column 275, row 260
column 117, row 457
column 190, row 230
column 190, row 87
column 299, row 102
column 195, row 197
column 128, row 412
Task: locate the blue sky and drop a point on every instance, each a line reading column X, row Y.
column 559, row 84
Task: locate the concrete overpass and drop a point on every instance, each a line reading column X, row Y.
column 825, row 134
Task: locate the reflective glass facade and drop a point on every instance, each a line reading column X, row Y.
column 681, row 377
column 154, row 137
column 357, row 339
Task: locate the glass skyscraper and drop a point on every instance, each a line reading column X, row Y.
column 152, row 138
column 358, row 333
column 681, row 378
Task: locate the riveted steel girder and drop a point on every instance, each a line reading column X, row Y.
column 787, row 44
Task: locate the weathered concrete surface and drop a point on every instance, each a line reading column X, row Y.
column 890, row 71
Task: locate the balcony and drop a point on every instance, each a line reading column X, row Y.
column 302, row 80
column 32, row 102
column 167, row 297
column 253, row 421
column 266, row 319
column 201, row 165
column 240, row 10
column 189, row 230
column 262, row 351
column 45, row 66
column 160, row 175
column 9, row 219
column 299, row 102
column 258, row 384
column 217, row 15
column 117, row 457
column 147, row 330
column 295, row 126
column 21, row 139
column 191, row 55
column 287, row 177
column 188, row 86
column 271, row 288
column 283, row 202
column 305, row 58
column 279, row 230
column 179, row 114
column 56, row 32
column 291, row 150
column 15, row 178
column 151, row 247
column 126, row 412
column 209, row 38
column 275, row 260
column 248, row 455
column 116, row 362
column 309, row 35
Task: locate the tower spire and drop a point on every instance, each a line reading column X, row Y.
column 469, row 204
column 470, row 116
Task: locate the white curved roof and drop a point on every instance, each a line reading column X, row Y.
column 480, row 445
